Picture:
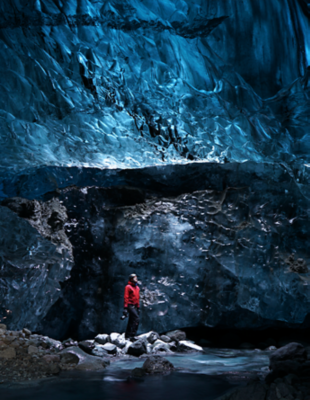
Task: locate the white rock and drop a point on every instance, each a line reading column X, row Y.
column 149, row 348
column 187, row 346
column 102, row 338
column 99, row 351
column 118, row 340
column 128, row 343
column 110, row 348
column 159, row 346
column 151, row 336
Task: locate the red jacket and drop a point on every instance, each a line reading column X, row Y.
column 132, row 295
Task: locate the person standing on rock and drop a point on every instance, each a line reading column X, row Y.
column 132, row 306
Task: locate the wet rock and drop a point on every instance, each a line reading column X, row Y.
column 138, row 348
column 70, row 358
column 110, row 348
column 99, row 351
column 184, row 346
column 8, row 353
column 102, row 338
column 87, row 345
column 288, row 359
column 86, row 361
column 157, row 365
column 151, row 336
column 291, row 352
column 165, row 338
column 176, row 335
column 160, row 346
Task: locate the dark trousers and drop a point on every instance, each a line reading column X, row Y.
column 133, row 321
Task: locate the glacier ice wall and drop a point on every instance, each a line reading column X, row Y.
column 172, row 105
column 128, row 83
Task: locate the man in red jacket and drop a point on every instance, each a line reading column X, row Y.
column 132, row 306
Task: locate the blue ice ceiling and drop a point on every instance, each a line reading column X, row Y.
column 135, row 83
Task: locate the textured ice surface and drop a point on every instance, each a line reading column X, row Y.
column 127, row 83
column 31, row 268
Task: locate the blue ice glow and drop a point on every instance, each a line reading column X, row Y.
column 128, row 84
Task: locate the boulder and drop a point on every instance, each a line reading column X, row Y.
column 110, row 348
column 86, row 361
column 27, row 332
column 8, row 353
column 87, row 345
column 138, row 348
column 293, row 352
column 157, row 365
column 101, row 350
column 160, row 346
column 118, row 339
column 291, row 358
column 165, row 338
column 176, row 335
column 102, row 338
column 185, row 346
column 70, row 358
column 3, row 327
column 151, row 336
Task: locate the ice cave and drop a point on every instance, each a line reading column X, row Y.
column 155, row 199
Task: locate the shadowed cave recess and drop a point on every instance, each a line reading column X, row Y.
column 169, row 138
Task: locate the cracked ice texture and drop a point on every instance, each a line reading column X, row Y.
column 125, row 83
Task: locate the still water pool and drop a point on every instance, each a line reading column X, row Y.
column 197, row 376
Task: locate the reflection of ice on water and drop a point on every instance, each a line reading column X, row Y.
column 213, row 362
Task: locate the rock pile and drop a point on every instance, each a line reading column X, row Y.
column 147, row 343
column 27, row 356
